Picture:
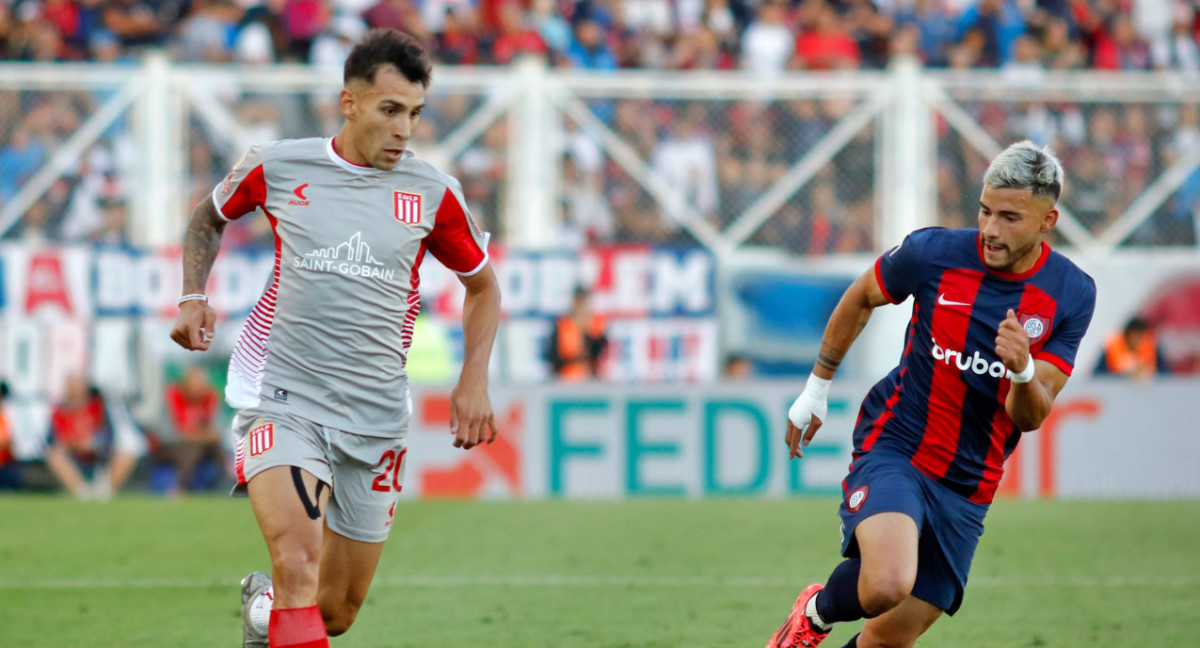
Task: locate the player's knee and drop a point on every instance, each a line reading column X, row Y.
column 295, row 566
column 884, row 591
column 339, row 618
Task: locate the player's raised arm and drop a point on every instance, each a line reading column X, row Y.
column 849, row 318
column 471, row 417
column 194, row 328
column 1035, row 383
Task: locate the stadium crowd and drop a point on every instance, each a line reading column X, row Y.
column 766, row 36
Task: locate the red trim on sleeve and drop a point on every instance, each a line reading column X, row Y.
column 249, row 194
column 1062, row 365
column 879, row 279
column 452, row 241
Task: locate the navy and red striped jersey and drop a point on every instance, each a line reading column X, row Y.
column 943, row 406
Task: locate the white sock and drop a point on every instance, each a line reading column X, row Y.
column 260, row 611
column 810, row 611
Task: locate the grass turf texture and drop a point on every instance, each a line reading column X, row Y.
column 646, row 573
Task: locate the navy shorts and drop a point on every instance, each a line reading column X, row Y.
column 949, row 524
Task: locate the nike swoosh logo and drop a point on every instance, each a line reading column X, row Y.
column 946, row 302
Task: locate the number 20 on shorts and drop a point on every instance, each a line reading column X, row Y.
column 391, row 462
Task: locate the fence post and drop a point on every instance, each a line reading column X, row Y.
column 906, row 199
column 529, row 213
column 158, row 208
column 907, row 159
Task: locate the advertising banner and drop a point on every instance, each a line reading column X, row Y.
column 1105, row 438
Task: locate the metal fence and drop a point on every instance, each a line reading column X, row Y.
column 807, row 165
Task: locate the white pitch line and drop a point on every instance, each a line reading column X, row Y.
column 567, row 581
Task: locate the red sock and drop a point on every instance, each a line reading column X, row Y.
column 297, row 628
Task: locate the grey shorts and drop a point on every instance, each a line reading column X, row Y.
column 365, row 473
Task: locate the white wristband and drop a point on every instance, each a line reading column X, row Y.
column 817, row 386
column 192, row 297
column 1026, row 374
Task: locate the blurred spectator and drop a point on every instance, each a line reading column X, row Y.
column 1183, row 213
column 998, row 23
column 871, row 30
column 827, row 46
column 192, row 405
column 19, row 160
column 588, row 217
column 516, row 36
column 589, row 51
column 207, row 34
column 1091, row 196
column 10, row 477
column 768, row 44
column 1120, row 47
column 1025, row 66
column 456, row 42
column 139, row 24
column 577, row 342
column 113, row 229
column 686, row 162
column 435, row 12
column 93, row 445
column 700, row 50
column 935, row 28
column 331, row 47
column 737, row 367
column 1178, row 49
column 1059, row 50
column 431, row 361
column 257, row 38
column 397, row 14
column 1133, row 352
column 303, row 21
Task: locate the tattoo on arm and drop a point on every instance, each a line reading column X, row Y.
column 200, row 246
column 830, row 358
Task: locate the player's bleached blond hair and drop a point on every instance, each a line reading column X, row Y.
column 1026, row 165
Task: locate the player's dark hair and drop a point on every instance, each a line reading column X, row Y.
column 1026, row 165
column 382, row 47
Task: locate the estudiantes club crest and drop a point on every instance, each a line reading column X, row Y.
column 408, row 207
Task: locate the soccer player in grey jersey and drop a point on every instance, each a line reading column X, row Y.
column 317, row 374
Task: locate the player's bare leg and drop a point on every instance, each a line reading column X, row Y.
column 60, row 463
column 289, row 504
column 899, row 627
column 121, row 467
column 888, row 544
column 347, row 567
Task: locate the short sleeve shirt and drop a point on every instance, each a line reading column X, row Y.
column 329, row 336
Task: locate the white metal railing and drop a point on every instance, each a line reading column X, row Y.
column 902, row 103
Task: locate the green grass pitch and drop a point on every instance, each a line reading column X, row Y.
column 646, row 573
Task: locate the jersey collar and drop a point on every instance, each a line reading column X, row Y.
column 352, row 167
column 1014, row 276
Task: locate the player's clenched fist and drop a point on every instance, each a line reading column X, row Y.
column 196, row 326
column 471, row 418
column 1012, row 343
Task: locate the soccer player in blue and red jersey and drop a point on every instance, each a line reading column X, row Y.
column 996, row 321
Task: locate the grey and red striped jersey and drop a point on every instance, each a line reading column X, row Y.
column 328, row 339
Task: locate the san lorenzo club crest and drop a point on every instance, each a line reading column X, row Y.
column 408, row 207
column 856, row 499
column 1035, row 327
